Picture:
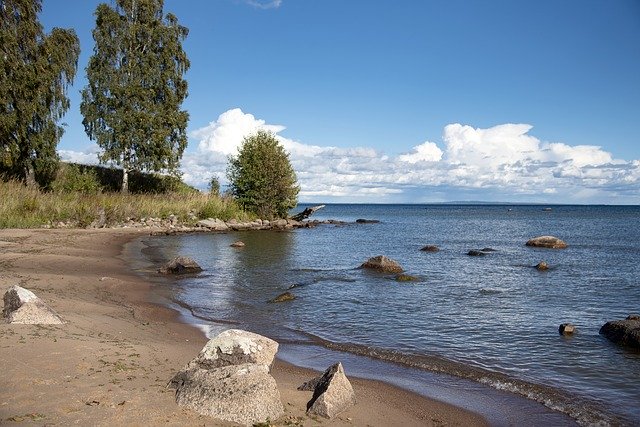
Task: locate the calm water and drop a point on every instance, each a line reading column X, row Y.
column 490, row 320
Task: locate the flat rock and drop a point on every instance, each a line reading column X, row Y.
column 244, row 394
column 21, row 306
column 333, row 394
column 238, row 244
column 213, row 224
column 623, row 332
column 181, row 265
column 406, row 278
column 475, row 252
column 383, row 264
column 367, row 221
column 550, row 242
column 236, row 347
column 283, row 297
column 430, row 248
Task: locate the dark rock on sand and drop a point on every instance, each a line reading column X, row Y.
column 430, row 248
column 21, row 306
column 333, row 394
column 566, row 329
column 542, row 266
column 623, row 332
column 383, row 264
column 181, row 265
column 286, row 296
column 550, row 242
column 367, row 221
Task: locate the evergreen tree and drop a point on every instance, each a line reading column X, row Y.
column 131, row 105
column 261, row 177
column 35, row 71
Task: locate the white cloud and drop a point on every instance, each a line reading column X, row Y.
column 88, row 156
column 264, row 4
column 503, row 162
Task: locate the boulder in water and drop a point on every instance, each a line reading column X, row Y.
column 406, row 278
column 566, row 329
column 21, row 306
column 383, row 264
column 367, row 221
column 286, row 296
column 623, row 332
column 430, row 248
column 475, row 252
column 333, row 393
column 550, row 242
column 542, row 266
column 181, row 265
column 238, row 244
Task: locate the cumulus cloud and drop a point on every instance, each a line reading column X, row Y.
column 504, row 159
column 88, row 156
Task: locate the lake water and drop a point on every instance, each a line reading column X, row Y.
column 479, row 323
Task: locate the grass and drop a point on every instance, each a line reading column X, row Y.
column 25, row 207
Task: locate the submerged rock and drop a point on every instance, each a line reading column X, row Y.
column 181, row 265
column 21, row 306
column 475, row 252
column 406, row 278
column 542, row 266
column 430, row 248
column 238, row 244
column 566, row 329
column 244, row 394
column 286, row 296
column 550, row 242
column 333, row 393
column 367, row 221
column 488, row 250
column 623, row 332
column 383, row 264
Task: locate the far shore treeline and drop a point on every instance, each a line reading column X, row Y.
column 132, row 110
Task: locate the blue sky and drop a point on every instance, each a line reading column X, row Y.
column 409, row 101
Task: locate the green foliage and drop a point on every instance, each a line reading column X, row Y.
column 131, row 105
column 261, row 177
column 35, row 72
column 214, row 186
column 75, row 178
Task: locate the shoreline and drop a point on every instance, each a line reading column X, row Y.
column 109, row 364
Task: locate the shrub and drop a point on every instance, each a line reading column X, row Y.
column 261, row 177
column 73, row 178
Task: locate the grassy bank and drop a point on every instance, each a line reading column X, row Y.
column 24, row 207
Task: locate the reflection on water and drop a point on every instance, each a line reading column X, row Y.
column 494, row 314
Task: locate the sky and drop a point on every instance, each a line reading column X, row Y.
column 407, row 101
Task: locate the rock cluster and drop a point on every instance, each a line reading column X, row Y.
column 624, row 332
column 230, row 379
column 23, row 307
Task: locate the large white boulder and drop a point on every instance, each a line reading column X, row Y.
column 23, row 307
column 333, row 393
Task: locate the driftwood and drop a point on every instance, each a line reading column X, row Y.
column 306, row 213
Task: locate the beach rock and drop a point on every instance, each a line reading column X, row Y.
column 279, row 223
column 406, row 278
column 383, row 264
column 21, row 306
column 310, row 385
column 623, row 332
column 542, row 266
column 333, row 394
column 286, row 296
column 430, row 248
column 237, row 244
column 475, row 252
column 181, row 265
column 244, row 394
column 550, row 242
column 235, row 347
column 566, row 329
column 367, row 221
column 213, row 224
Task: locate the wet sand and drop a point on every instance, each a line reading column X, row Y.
column 110, row 363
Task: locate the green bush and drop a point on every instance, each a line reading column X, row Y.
column 74, row 178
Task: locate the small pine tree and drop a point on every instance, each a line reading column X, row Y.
column 261, row 177
column 214, row 186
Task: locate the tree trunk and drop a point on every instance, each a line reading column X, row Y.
column 30, row 176
column 306, row 213
column 125, row 181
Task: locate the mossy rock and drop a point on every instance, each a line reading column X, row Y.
column 286, row 296
column 406, row 278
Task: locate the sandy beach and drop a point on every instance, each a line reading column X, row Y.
column 110, row 363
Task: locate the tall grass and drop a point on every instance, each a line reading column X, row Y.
column 26, row 207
